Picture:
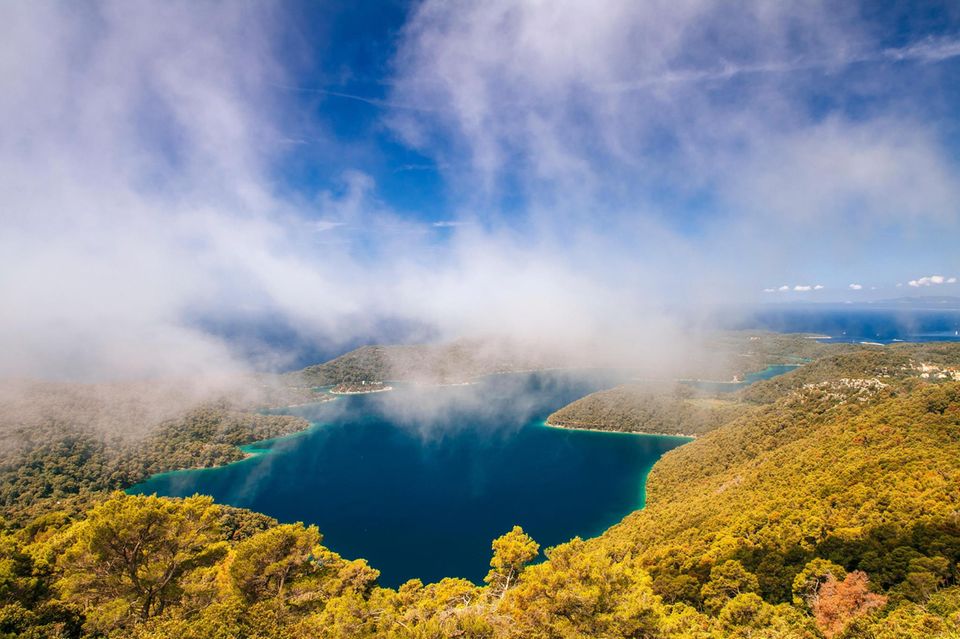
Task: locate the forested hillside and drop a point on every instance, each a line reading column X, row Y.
column 830, row 510
column 890, row 364
column 58, row 461
column 444, row 363
column 59, row 440
column 646, row 408
column 681, row 409
column 868, row 481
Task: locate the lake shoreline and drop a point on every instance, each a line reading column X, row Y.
column 249, row 450
column 362, row 392
column 324, row 478
column 617, row 432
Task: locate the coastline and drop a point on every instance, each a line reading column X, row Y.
column 361, row 392
column 547, row 424
column 250, row 451
column 321, row 399
column 744, row 379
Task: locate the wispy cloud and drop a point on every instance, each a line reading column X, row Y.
column 373, row 101
column 931, row 49
column 604, row 124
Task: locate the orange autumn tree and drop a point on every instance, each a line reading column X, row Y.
column 837, row 603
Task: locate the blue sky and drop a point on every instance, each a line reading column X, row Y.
column 889, row 66
column 555, row 171
column 345, row 87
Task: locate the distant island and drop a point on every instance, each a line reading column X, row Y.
column 454, row 362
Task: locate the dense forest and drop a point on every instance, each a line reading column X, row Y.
column 648, row 408
column 58, row 462
column 58, row 440
column 681, row 409
column 827, row 504
column 427, row 363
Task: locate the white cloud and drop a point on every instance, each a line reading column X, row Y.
column 138, row 178
column 769, row 290
column 586, row 112
column 952, row 280
column 929, row 280
column 818, row 287
column 855, row 287
column 591, row 89
column 138, row 173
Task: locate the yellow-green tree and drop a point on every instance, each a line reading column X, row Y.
column 125, row 561
column 265, row 563
column 511, row 553
column 583, row 593
column 727, row 580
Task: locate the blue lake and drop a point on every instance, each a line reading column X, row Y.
column 420, row 480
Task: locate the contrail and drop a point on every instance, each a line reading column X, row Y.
column 930, row 50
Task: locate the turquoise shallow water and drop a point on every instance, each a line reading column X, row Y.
column 419, row 481
column 750, row 378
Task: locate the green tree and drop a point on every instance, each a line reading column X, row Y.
column 17, row 581
column 266, row 562
column 727, row 580
column 925, row 576
column 745, row 610
column 126, row 560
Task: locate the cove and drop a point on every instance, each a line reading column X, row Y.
column 750, row 378
column 420, row 480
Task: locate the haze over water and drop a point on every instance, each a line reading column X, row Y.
column 419, row 480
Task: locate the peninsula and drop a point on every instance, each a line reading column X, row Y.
column 359, row 388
